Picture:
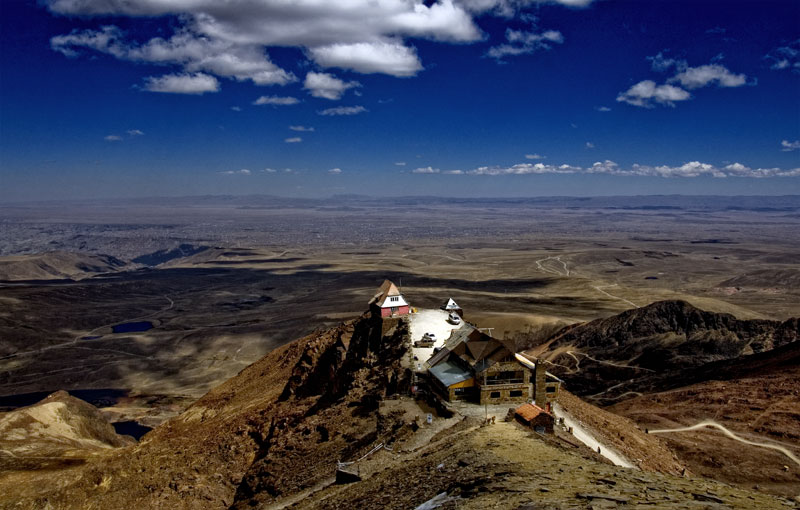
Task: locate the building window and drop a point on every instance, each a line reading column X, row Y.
column 394, row 298
column 494, row 394
column 515, row 393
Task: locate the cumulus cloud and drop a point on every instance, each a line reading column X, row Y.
column 243, row 171
column 687, row 170
column 602, row 109
column 387, row 57
column 327, row 85
column 508, row 8
column 135, row 132
column 269, row 171
column 400, row 163
column 294, row 139
column 186, row 49
column 343, row 110
column 228, row 39
column 702, row 76
column 787, row 146
column 519, row 42
column 589, row 145
column 785, row 57
column 646, row 92
column 276, row 100
column 302, row 128
column 197, row 83
column 524, row 169
column 335, row 171
column 112, row 138
column 534, row 156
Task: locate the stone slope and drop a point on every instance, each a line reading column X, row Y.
column 57, row 265
column 666, row 336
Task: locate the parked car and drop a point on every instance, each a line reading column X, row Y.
column 453, row 318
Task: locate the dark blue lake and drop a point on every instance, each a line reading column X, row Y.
column 131, row 428
column 132, row 327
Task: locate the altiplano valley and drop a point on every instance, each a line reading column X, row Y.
column 668, row 340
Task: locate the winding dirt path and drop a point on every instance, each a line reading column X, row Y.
column 709, row 423
column 600, row 288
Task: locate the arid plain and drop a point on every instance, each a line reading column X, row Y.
column 225, row 281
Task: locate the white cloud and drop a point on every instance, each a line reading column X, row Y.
column 507, row 8
column 306, row 129
column 785, row 57
column 589, row 145
column 335, row 171
column 661, row 63
column 646, row 92
column 276, row 100
column 702, row 76
column 327, row 85
column 454, row 172
column 343, row 110
column 534, row 156
column 294, row 139
column 112, row 138
column 687, row 170
column 186, row 49
column 787, row 146
column 425, row 170
column 524, row 169
column 236, row 108
column 135, row 132
column 521, row 43
column 228, row 39
column 387, row 57
column 602, row 109
column 243, row 171
column 269, row 170
column 197, row 83
column 400, row 163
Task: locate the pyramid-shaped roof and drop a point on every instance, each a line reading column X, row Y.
column 385, row 291
column 451, row 305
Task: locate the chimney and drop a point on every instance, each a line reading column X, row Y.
column 540, row 385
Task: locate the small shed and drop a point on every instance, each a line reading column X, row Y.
column 535, row 417
column 452, row 307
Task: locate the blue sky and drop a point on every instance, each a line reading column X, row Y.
column 106, row 98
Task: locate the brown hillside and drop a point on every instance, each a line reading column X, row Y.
column 58, row 431
column 663, row 337
column 757, row 397
column 56, row 265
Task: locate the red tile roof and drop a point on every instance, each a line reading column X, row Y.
column 529, row 412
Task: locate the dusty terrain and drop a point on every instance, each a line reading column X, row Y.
column 756, row 398
column 271, row 436
column 221, row 282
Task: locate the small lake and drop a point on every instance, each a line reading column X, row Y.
column 132, row 327
column 131, row 428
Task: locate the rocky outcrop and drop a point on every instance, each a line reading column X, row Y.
column 666, row 336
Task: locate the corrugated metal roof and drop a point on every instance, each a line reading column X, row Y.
column 448, row 373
